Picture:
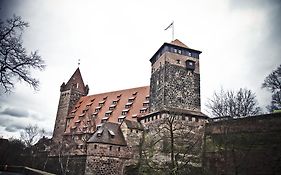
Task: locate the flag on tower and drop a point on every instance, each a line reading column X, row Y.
column 172, row 24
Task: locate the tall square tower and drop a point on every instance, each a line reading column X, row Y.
column 175, row 78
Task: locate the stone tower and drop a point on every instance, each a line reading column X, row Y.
column 175, row 78
column 70, row 93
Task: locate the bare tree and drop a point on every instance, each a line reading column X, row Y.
column 273, row 83
column 241, row 103
column 172, row 146
column 31, row 134
column 15, row 63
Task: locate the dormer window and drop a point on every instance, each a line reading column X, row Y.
column 108, row 113
column 101, row 103
column 125, row 112
column 135, row 93
column 131, row 99
column 99, row 132
column 143, row 110
column 128, row 105
column 114, row 102
column 111, row 133
column 97, row 109
column 121, row 118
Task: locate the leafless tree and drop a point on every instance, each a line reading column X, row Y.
column 15, row 63
column 31, row 134
column 172, row 146
column 273, row 83
column 239, row 103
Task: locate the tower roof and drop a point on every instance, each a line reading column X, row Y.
column 76, row 81
column 178, row 43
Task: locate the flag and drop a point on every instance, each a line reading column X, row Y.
column 170, row 25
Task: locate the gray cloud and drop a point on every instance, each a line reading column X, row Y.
column 15, row 127
column 15, row 112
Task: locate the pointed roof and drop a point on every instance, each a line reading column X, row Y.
column 178, row 43
column 76, row 81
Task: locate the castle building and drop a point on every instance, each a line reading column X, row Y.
column 106, row 127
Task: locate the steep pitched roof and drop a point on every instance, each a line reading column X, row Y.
column 109, row 133
column 112, row 107
column 76, row 81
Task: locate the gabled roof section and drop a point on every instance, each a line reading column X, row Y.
column 179, row 43
column 109, row 133
column 76, row 82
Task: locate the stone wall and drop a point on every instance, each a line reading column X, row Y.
column 243, row 146
column 182, row 88
column 106, row 159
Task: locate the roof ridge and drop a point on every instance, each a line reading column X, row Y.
column 109, row 92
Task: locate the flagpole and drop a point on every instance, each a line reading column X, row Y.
column 173, row 31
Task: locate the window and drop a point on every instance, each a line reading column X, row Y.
column 89, row 104
column 108, row 113
column 121, row 118
column 111, row 133
column 190, row 65
column 178, row 61
column 143, row 110
column 112, row 107
column 95, row 146
column 135, row 93
column 179, row 51
column 119, row 96
column 175, row 50
column 101, row 103
column 125, row 112
column 99, row 132
column 147, row 98
column 110, row 148
column 119, row 149
column 145, row 104
column 131, row 99
column 196, row 119
column 128, row 105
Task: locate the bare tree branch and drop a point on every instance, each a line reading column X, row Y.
column 15, row 63
column 234, row 104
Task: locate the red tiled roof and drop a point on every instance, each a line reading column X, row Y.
column 87, row 107
column 178, row 43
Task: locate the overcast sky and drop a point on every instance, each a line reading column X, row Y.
column 240, row 42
